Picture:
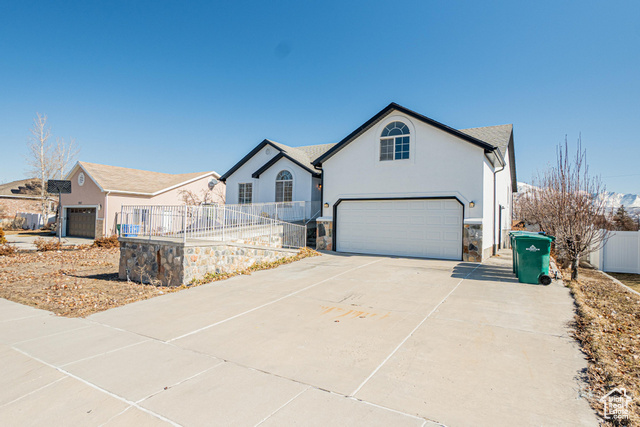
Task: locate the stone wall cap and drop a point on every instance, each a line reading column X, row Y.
column 199, row 243
column 325, row 218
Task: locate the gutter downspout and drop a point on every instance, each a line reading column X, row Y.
column 494, row 246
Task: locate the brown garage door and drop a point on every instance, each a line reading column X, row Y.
column 81, row 222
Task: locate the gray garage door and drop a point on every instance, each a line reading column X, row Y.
column 420, row 228
column 81, row 222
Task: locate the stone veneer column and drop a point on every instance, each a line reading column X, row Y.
column 472, row 241
column 324, row 236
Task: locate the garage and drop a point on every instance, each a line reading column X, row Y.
column 429, row 228
column 81, row 222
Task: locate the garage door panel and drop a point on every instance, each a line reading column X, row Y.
column 81, row 222
column 422, row 228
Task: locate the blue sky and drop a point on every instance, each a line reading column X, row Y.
column 189, row 86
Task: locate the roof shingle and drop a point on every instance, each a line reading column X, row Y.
column 115, row 178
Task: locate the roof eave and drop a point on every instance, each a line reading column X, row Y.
column 275, row 159
column 246, row 158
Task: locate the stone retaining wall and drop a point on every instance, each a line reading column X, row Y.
column 173, row 263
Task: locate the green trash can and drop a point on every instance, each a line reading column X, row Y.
column 514, row 254
column 532, row 258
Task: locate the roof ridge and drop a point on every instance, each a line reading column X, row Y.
column 484, row 127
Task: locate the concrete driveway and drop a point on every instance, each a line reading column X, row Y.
column 330, row 340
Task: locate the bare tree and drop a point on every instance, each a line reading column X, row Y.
column 47, row 161
column 567, row 202
column 206, row 196
column 39, row 158
column 64, row 155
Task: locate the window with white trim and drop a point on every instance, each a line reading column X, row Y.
column 245, row 191
column 284, row 186
column 394, row 142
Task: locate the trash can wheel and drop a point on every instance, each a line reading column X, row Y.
column 544, row 279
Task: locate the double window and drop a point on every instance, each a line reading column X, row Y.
column 245, row 191
column 394, row 142
column 284, row 186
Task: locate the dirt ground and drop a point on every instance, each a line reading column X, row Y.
column 608, row 327
column 73, row 283
column 631, row 280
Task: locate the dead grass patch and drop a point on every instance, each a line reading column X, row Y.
column 73, row 283
column 107, row 242
column 44, row 245
column 631, row 280
column 608, row 327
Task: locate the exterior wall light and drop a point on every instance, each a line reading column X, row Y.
column 326, row 205
column 472, row 204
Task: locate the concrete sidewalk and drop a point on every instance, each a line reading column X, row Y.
column 331, row 340
column 24, row 241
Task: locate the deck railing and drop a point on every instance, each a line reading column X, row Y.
column 210, row 222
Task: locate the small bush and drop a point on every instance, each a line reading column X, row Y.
column 44, row 245
column 6, row 250
column 3, row 240
column 107, row 242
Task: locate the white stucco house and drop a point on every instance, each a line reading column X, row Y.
column 400, row 184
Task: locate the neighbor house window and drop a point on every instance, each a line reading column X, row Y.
column 394, row 142
column 284, row 187
column 244, row 193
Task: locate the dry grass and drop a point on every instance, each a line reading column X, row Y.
column 631, row 280
column 208, row 278
column 107, row 242
column 608, row 327
column 73, row 283
column 44, row 245
column 7, row 250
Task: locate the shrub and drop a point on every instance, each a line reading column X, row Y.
column 44, row 245
column 107, row 242
column 6, row 250
column 3, row 240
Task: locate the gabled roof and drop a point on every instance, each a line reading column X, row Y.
column 302, row 156
column 497, row 136
column 489, row 148
column 502, row 137
column 134, row 181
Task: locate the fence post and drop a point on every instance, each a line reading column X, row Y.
column 276, row 214
column 184, row 223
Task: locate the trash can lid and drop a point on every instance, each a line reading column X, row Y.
column 535, row 237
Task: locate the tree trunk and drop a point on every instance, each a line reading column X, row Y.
column 574, row 267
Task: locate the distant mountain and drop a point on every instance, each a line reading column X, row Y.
column 613, row 200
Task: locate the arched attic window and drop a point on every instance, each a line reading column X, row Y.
column 394, row 142
column 284, row 186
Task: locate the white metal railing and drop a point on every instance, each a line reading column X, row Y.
column 210, row 222
column 283, row 211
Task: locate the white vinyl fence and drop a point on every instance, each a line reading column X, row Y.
column 211, row 222
column 621, row 253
